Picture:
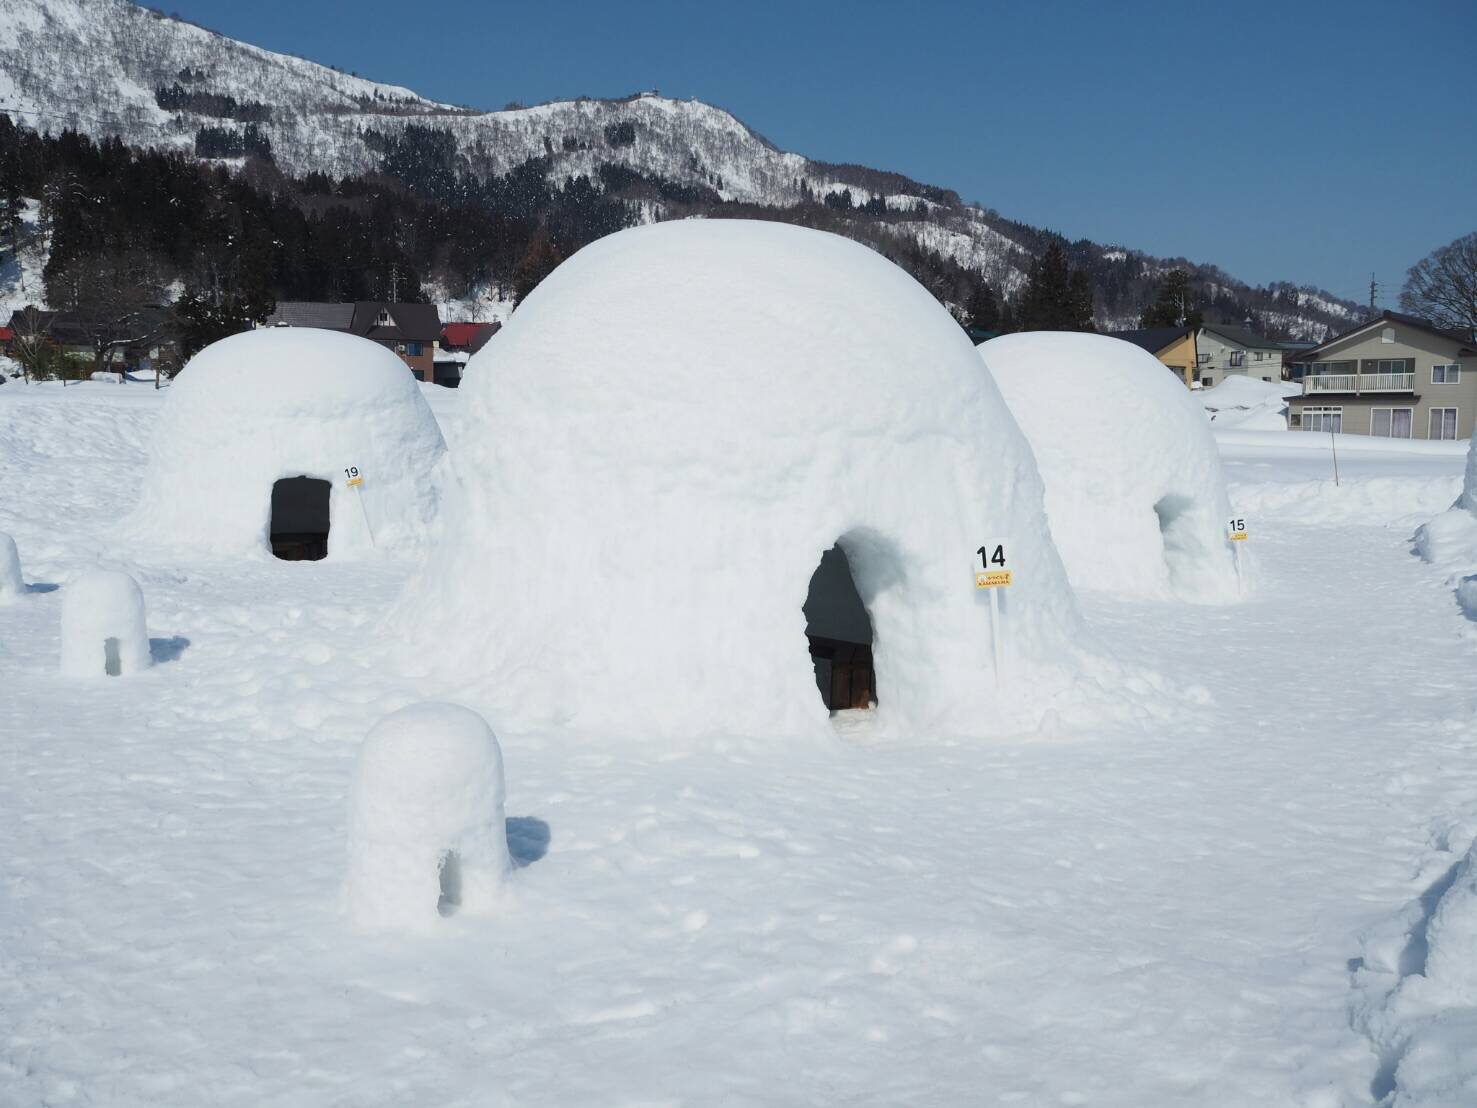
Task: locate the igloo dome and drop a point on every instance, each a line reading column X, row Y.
column 678, row 424
column 294, row 441
column 1134, row 489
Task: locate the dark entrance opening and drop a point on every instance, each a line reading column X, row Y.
column 299, row 526
column 840, row 635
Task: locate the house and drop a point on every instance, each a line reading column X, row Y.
column 1224, row 350
column 1396, row 377
column 459, row 341
column 143, row 344
column 1174, row 346
column 413, row 331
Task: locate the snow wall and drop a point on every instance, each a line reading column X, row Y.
column 675, row 427
column 1134, row 488
column 287, row 402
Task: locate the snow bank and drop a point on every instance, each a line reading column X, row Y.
column 1421, row 973
column 290, row 402
column 1134, row 488
column 677, row 424
column 103, row 627
column 427, row 835
column 1449, row 539
column 1247, row 404
column 12, row 584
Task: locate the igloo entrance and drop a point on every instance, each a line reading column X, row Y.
column 300, row 519
column 839, row 631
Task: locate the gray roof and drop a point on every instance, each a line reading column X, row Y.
column 1468, row 342
column 1241, row 336
column 1152, row 339
column 311, row 313
column 412, row 322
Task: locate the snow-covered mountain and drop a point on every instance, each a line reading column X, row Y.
column 110, row 67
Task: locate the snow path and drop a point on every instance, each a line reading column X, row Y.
column 1123, row 918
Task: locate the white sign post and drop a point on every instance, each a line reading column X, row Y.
column 355, row 480
column 1236, row 532
column 992, row 575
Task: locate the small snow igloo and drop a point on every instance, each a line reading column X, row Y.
column 104, row 631
column 1134, row 489
column 293, row 442
column 680, row 423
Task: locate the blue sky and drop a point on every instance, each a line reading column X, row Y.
column 1313, row 142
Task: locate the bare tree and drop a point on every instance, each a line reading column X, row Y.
column 118, row 299
column 1442, row 286
column 30, row 341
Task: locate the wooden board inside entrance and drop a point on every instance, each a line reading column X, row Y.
column 852, row 681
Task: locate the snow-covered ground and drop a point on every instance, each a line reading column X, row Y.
column 1140, row 915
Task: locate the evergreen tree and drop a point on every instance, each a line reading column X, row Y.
column 981, row 311
column 1174, row 303
column 1055, row 297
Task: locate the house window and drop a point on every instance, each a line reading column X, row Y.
column 414, row 349
column 1390, row 423
column 383, row 319
column 1258, row 355
column 1443, row 423
column 1202, row 358
column 1323, row 419
column 1449, row 374
column 1389, row 365
column 1387, row 335
column 1238, row 357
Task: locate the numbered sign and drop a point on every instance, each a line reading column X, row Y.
column 1236, row 529
column 353, row 476
column 992, row 572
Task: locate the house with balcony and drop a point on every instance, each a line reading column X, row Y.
column 1223, row 350
column 1394, row 377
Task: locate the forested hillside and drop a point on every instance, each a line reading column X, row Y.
column 475, row 197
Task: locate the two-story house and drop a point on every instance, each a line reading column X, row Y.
column 1174, row 346
column 413, row 331
column 1396, row 377
column 1223, row 350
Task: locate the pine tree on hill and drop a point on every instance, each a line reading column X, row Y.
column 1174, row 303
column 982, row 311
column 1055, row 298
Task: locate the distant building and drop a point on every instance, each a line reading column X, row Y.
column 1224, row 350
column 1174, row 346
column 459, row 341
column 1396, row 376
column 413, row 331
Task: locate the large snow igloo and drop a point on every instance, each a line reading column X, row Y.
column 679, row 423
column 292, row 441
column 1134, row 488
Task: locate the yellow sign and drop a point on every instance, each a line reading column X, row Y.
column 360, row 480
column 991, row 578
column 1238, row 536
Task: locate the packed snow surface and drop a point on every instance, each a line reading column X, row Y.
column 1144, row 913
column 426, row 828
column 104, row 630
column 659, row 450
column 286, row 402
column 1134, row 488
column 1247, row 403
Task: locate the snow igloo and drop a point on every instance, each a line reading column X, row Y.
column 1135, row 493
column 696, row 434
column 104, row 630
column 293, row 442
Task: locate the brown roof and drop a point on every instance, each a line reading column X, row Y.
column 409, row 322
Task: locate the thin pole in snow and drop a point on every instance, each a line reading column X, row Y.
column 995, row 636
column 1333, row 444
column 359, row 488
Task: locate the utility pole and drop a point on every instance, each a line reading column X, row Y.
column 394, row 283
column 1374, row 290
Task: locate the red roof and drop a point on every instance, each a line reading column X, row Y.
column 458, row 336
column 6, row 334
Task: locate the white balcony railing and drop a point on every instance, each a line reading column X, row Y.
column 1359, row 382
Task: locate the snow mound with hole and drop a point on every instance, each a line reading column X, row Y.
column 677, row 424
column 104, row 630
column 1134, row 488
column 291, row 402
column 427, row 836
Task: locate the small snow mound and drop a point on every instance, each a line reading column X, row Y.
column 12, row 584
column 281, row 403
column 1134, row 489
column 427, row 836
column 669, row 434
column 104, row 632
